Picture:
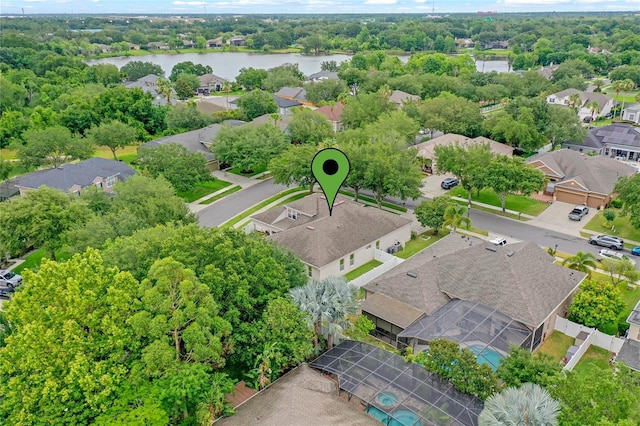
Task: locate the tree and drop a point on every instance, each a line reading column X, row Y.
column 452, row 114
column 509, row 175
column 465, row 162
column 309, row 127
column 620, row 270
column 518, row 131
column 625, row 85
column 113, row 134
column 165, row 88
column 596, row 304
column 188, row 67
column 431, row 213
column 257, row 103
column 182, row 168
column 454, row 216
column 594, row 108
column 214, row 403
column 527, row 405
column 328, row 90
column 72, row 344
column 358, row 160
column 575, row 101
column 293, row 166
column 131, row 106
column 328, row 304
column 521, row 366
column 628, row 190
column 53, row 146
column 249, row 147
column 251, row 78
column 186, row 85
column 286, row 75
column 564, row 126
column 364, row 109
column 396, row 121
column 185, row 117
column 39, row 218
column 581, row 261
column 5, row 169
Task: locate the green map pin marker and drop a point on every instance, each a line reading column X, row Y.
column 330, row 167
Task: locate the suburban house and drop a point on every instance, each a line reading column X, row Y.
column 631, row 113
column 236, row 41
column 149, row 84
column 400, row 98
column 322, row 75
column 281, row 121
column 618, row 140
column 215, row 43
column 157, row 45
column 547, row 71
column 482, row 296
column 576, row 178
column 210, row 83
column 427, row 149
column 333, row 114
column 297, row 94
column 466, row 43
column 188, row 44
column 585, row 99
column 336, row 244
column 74, row 177
column 630, row 351
column 285, row 105
column 199, row 141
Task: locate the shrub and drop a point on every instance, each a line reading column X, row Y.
column 616, row 204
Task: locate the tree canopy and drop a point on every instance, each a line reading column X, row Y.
column 182, row 168
column 249, row 147
column 257, row 103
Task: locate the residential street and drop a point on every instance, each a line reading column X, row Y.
column 234, row 204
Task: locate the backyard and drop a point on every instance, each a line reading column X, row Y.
column 517, row 203
column 362, row 270
column 421, row 242
column 556, row 345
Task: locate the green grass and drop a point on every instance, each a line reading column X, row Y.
column 628, row 97
column 517, row 203
column 595, row 357
column 474, row 230
column 630, row 297
column 257, row 170
column 420, row 243
column 600, row 123
column 33, row 260
column 556, row 345
column 493, row 211
column 292, row 199
column 258, row 206
column 8, row 154
column 373, row 201
column 362, row 270
column 202, row 189
column 623, row 227
column 222, row 194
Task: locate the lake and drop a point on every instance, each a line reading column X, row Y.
column 228, row 64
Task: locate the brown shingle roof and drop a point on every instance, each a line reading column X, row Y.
column 351, row 227
column 427, row 149
column 390, row 309
column 332, row 112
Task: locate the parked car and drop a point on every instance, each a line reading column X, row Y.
column 10, row 279
column 449, row 183
column 587, row 119
column 635, row 251
column 609, row 241
column 614, row 255
column 498, row 241
column 578, row 212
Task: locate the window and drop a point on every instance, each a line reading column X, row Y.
column 342, row 264
column 368, row 246
column 552, row 100
column 292, row 214
column 309, row 270
column 378, row 244
column 352, row 259
column 99, row 184
column 632, row 117
column 111, row 180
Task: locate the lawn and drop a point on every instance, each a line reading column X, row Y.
column 517, row 203
column 8, row 154
column 622, row 226
column 202, row 189
column 362, row 270
column 257, row 207
column 630, row 297
column 595, row 357
column 493, row 211
column 33, row 260
column 421, row 242
column 363, row 198
column 257, row 170
column 222, row 195
column 599, row 123
column 556, row 345
column 628, row 97
column 126, row 152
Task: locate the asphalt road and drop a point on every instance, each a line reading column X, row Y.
column 218, row 213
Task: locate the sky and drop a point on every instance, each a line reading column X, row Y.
column 146, row 7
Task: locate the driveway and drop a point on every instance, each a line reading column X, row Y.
column 556, row 218
column 431, row 185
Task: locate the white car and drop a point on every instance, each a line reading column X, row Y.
column 498, row 241
column 10, row 279
column 614, row 255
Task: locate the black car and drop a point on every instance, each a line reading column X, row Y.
column 449, row 183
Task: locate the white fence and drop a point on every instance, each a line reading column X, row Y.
column 596, row 338
column 389, row 261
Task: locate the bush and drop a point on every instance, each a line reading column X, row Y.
column 616, row 204
column 609, row 215
column 610, row 328
column 623, row 326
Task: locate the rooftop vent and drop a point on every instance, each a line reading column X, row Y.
column 493, row 249
column 310, row 227
column 412, row 274
column 339, row 202
column 510, row 253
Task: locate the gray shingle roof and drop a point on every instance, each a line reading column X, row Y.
column 292, row 92
column 527, row 286
column 82, row 173
column 286, row 103
column 324, row 74
column 282, row 123
column 585, row 97
column 195, row 140
column 391, row 310
column 630, row 354
column 351, row 227
column 619, row 134
column 398, row 97
column 148, row 85
column 594, row 173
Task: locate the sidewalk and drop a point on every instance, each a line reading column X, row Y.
column 235, row 180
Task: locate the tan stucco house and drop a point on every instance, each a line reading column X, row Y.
column 332, row 245
column 576, row 178
column 605, row 103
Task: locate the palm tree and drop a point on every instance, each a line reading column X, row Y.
column 328, row 302
column 528, row 405
column 165, row 88
column 454, row 216
column 574, row 101
column 213, row 404
column 226, row 87
column 594, row 107
column 598, row 82
column 582, row 261
column 622, row 86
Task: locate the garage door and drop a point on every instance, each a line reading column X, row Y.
column 595, row 201
column 569, row 197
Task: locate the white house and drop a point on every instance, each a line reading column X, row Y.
column 605, row 103
column 336, row 244
column 631, row 113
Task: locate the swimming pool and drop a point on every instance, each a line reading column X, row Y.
column 399, row 417
column 488, row 356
